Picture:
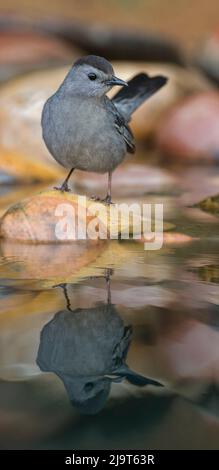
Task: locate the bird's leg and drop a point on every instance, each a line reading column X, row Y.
column 64, row 187
column 108, row 198
column 68, row 302
column 107, row 276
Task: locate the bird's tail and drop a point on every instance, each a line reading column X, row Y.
column 140, row 88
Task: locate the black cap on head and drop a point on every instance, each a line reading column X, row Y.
column 97, row 62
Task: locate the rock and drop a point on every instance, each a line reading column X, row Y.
column 21, row 51
column 62, row 217
column 210, row 205
column 21, row 101
column 190, row 131
column 52, row 216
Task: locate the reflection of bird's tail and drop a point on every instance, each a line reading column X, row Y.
column 136, row 379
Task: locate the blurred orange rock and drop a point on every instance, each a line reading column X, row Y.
column 25, row 46
column 22, row 151
column 190, row 131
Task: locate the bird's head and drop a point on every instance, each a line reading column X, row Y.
column 91, row 76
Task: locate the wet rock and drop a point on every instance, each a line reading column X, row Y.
column 59, row 217
column 190, row 131
column 210, row 205
column 53, row 216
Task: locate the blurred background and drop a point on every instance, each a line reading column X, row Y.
column 166, row 302
column 39, row 41
column 182, row 20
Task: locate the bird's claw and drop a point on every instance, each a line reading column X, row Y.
column 63, row 188
column 106, row 200
column 95, row 198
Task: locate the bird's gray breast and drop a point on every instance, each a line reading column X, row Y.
column 81, row 133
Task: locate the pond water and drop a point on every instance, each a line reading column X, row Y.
column 109, row 345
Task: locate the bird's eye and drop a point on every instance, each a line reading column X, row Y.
column 92, row 76
column 88, row 386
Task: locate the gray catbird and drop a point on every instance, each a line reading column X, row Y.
column 87, row 349
column 82, row 128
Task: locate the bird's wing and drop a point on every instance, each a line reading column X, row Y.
column 140, row 88
column 122, row 126
column 121, row 349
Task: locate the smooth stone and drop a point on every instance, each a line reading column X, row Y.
column 53, row 216
column 21, row 101
column 210, row 205
column 190, row 131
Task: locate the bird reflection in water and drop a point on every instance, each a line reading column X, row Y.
column 87, row 349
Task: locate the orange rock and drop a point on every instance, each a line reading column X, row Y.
column 190, row 130
column 28, row 47
column 53, row 216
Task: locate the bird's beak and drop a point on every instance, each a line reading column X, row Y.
column 116, row 81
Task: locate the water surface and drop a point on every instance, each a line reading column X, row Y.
column 120, row 352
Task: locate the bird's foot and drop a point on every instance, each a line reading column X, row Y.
column 63, row 188
column 107, row 200
column 95, row 198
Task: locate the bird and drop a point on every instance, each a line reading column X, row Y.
column 86, row 130
column 87, row 349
